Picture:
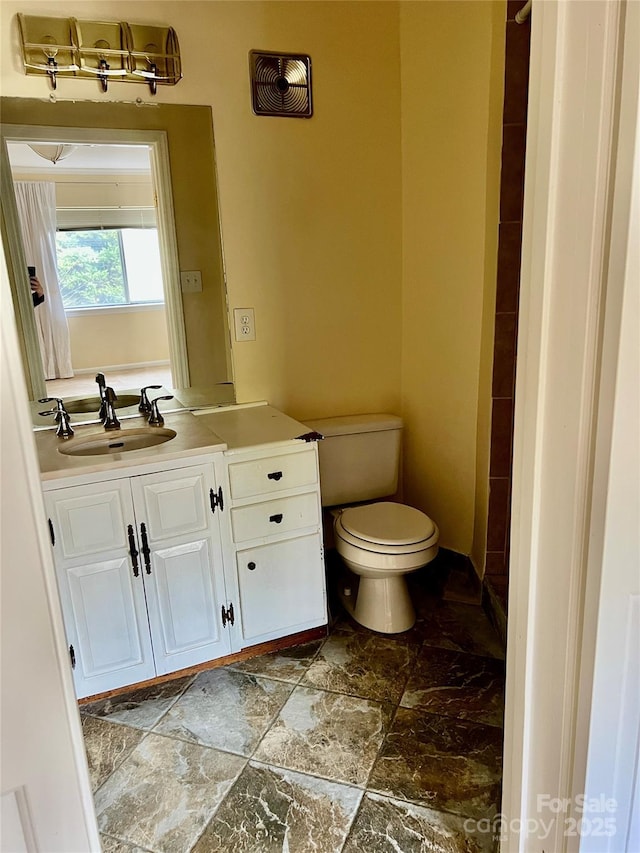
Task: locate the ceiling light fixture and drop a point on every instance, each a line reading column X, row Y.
column 53, row 152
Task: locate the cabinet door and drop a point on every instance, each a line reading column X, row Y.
column 184, row 580
column 103, row 603
column 108, row 613
column 282, row 588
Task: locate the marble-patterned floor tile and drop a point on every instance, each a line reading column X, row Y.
column 366, row 665
column 460, row 627
column 164, row 794
column 285, row 665
column 440, row 762
column 270, row 810
column 466, row 686
column 140, row 708
column 346, row 624
column 226, row 709
column 107, row 745
column 390, row 826
column 114, row 845
column 326, row 734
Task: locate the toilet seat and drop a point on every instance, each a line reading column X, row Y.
column 386, row 528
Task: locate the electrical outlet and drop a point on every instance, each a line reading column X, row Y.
column 191, row 281
column 245, row 324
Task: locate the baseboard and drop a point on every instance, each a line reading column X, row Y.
column 270, row 646
column 113, row 368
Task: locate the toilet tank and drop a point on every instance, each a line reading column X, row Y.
column 359, row 457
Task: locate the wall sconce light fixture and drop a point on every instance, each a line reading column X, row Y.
column 154, row 54
column 102, row 49
column 47, row 46
column 105, row 50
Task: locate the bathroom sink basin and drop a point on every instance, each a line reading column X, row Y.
column 92, row 404
column 118, row 441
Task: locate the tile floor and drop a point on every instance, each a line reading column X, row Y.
column 360, row 743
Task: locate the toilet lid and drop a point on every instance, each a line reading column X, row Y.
column 387, row 523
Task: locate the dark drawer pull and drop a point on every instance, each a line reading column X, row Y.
column 251, row 566
column 276, row 518
column 274, row 475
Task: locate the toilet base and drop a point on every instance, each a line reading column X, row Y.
column 381, row 604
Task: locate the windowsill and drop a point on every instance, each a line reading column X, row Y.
column 131, row 308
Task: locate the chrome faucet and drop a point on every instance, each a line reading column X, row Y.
column 110, row 420
column 155, row 418
column 65, row 430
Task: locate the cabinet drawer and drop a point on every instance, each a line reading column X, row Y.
column 277, row 516
column 272, row 474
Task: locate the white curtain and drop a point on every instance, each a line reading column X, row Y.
column 37, row 213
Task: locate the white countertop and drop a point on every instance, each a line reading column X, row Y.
column 234, row 429
column 193, row 438
column 253, row 426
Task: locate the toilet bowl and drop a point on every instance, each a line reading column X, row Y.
column 381, row 543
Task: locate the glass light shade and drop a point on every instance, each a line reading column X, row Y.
column 53, row 152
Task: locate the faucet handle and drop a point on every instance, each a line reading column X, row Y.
column 59, row 410
column 155, row 418
column 62, row 418
column 144, row 405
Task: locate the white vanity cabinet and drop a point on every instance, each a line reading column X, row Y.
column 174, row 561
column 140, row 572
column 275, row 545
column 277, row 541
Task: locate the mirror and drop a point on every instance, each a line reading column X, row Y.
column 180, row 141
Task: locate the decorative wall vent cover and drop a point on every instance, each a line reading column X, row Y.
column 281, row 84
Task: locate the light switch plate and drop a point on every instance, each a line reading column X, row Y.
column 191, row 281
column 245, row 324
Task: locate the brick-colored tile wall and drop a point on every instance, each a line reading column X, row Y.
column 508, row 283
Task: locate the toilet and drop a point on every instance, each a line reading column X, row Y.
column 381, row 542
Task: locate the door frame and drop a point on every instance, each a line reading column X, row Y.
column 567, row 253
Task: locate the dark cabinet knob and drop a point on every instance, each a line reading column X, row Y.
column 276, row 519
column 251, row 566
column 275, row 475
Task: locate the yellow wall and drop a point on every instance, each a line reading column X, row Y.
column 114, row 338
column 452, row 56
column 311, row 210
column 363, row 238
